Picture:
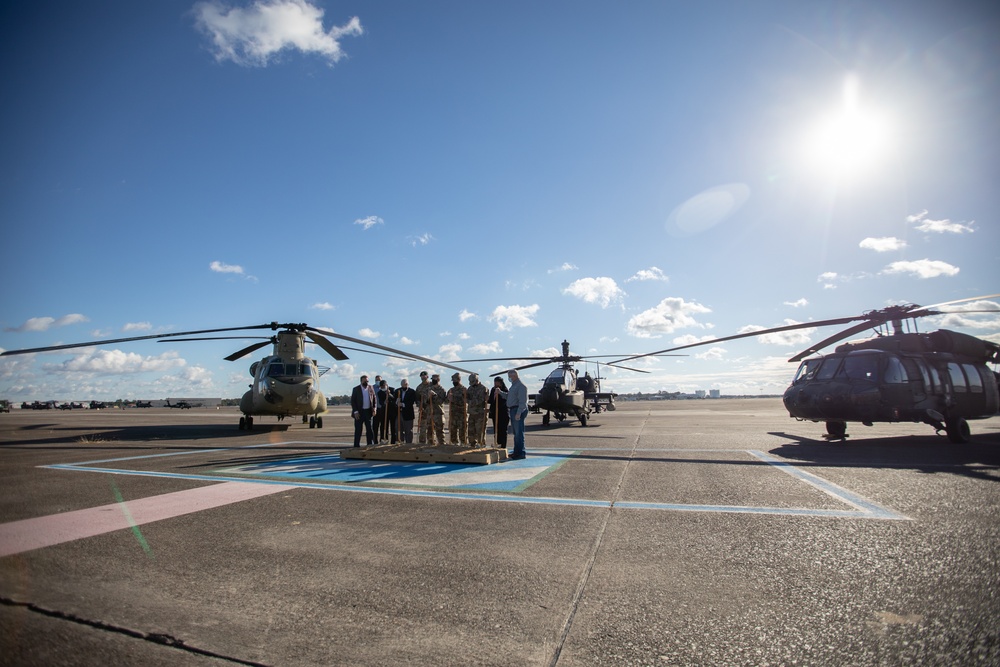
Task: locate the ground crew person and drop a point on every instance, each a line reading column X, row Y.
column 424, row 403
column 437, row 398
column 476, row 397
column 456, row 410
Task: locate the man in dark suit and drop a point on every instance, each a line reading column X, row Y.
column 385, row 424
column 363, row 409
column 406, row 398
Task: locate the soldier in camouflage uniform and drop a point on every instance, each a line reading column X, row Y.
column 456, row 410
column 476, row 397
column 424, row 403
column 437, row 398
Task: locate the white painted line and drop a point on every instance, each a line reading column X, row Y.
column 28, row 534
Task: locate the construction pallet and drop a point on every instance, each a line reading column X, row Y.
column 426, row 453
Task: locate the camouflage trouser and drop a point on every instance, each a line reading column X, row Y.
column 456, row 426
column 438, row 439
column 424, row 428
column 477, row 429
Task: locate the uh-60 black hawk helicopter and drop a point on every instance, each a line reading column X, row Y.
column 939, row 378
column 564, row 391
column 286, row 382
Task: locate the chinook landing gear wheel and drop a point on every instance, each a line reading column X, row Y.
column 836, row 430
column 312, row 421
column 246, row 423
column 958, row 430
column 583, row 419
column 243, row 423
column 319, row 422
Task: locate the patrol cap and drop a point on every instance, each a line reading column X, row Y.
column 423, row 374
column 456, row 376
column 473, row 377
column 435, row 376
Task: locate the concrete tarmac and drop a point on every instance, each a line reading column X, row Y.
column 710, row 532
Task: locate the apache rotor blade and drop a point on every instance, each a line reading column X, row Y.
column 247, row 350
column 626, row 368
column 402, row 353
column 115, row 341
column 327, row 346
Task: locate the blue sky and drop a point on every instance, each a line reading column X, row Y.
column 465, row 180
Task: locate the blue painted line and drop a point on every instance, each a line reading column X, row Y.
column 866, row 506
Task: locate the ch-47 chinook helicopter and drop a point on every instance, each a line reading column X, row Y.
column 941, row 378
column 286, row 382
column 564, row 391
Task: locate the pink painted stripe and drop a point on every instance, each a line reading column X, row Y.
column 45, row 531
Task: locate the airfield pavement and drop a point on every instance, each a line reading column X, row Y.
column 710, row 532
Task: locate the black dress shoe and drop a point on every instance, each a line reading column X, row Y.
column 517, row 457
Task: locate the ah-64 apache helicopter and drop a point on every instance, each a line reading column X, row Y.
column 564, row 392
column 286, row 382
column 939, row 378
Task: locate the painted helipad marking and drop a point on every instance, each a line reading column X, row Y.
column 511, row 476
column 375, row 476
column 45, row 531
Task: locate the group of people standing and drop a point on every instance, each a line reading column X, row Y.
column 386, row 413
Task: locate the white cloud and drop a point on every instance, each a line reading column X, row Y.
column 666, row 317
column 450, row 352
column 256, row 34
column 566, row 266
column 219, row 267
column 137, row 326
column 368, row 333
column 35, row 324
column 922, row 268
column 466, row 315
column 602, row 291
column 493, row 347
column 116, row 362
column 369, row 222
column 403, row 340
column 325, row 305
column 883, row 244
column 652, row 273
column 924, row 224
column 514, row 317
column 422, row 239
column 235, row 269
column 801, row 303
column 712, row 354
column 794, row 337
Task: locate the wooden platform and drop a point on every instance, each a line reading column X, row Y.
column 427, row 453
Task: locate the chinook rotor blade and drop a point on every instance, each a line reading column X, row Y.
column 394, row 351
column 247, row 350
column 115, row 341
column 327, row 346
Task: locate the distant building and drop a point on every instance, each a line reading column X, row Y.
column 714, row 393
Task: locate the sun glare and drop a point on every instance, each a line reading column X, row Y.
column 848, row 141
